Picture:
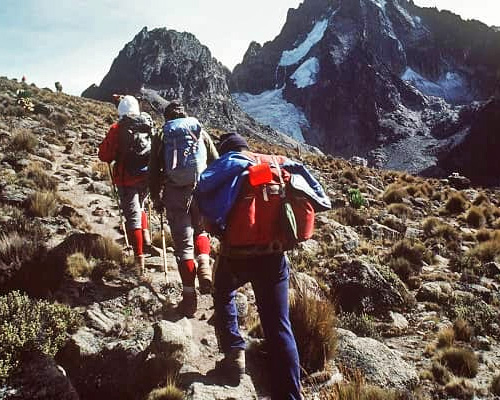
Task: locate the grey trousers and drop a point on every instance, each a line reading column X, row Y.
column 132, row 204
column 177, row 202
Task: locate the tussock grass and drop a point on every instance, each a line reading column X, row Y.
column 435, row 227
column 361, row 324
column 41, row 180
column 156, row 239
column 446, row 338
column 481, row 199
column 394, row 193
column 350, row 217
column 483, row 235
column 440, row 373
column 456, row 203
column 462, row 330
column 43, row 204
column 357, row 389
column 400, row 209
column 407, row 258
column 100, row 170
column 23, row 140
column 313, row 322
column 169, row 392
column 460, row 389
column 462, row 362
column 475, row 217
column 78, row 266
column 486, row 251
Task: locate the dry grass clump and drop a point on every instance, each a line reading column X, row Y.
column 435, row 227
column 313, row 323
column 440, row 374
column 350, row 217
column 483, row 235
column 156, row 239
column 357, row 389
column 460, row 389
column 349, row 175
column 77, row 265
column 23, row 140
column 481, row 199
column 41, row 180
column 407, row 258
column 460, row 361
column 462, row 330
column 394, row 193
column 446, row 337
column 100, row 170
column 495, row 385
column 475, row 217
column 456, row 203
column 400, row 209
column 60, row 120
column 361, row 324
column 426, row 189
column 486, row 251
column 43, row 204
column 168, row 392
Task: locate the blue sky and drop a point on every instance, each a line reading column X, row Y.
column 75, row 41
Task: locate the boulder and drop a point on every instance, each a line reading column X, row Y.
column 379, row 364
column 204, row 391
column 359, row 286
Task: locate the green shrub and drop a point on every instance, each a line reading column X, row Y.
column 462, row 362
column 356, row 199
column 26, row 323
column 313, row 323
column 476, row 312
column 361, row 324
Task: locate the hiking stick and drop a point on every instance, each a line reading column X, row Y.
column 122, row 221
column 164, row 249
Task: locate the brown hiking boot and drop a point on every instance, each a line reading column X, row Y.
column 189, row 302
column 232, row 366
column 204, row 273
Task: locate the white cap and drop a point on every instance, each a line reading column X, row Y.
column 128, row 106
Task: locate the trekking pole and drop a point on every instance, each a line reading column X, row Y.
column 164, row 249
column 122, row 221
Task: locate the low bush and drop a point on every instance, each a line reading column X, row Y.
column 478, row 314
column 313, row 323
column 462, row 362
column 361, row 324
column 30, row 324
column 356, row 199
column 77, row 265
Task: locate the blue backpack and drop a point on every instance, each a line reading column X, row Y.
column 185, row 153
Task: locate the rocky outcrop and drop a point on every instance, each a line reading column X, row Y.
column 379, row 364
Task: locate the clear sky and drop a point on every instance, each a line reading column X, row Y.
column 75, row 41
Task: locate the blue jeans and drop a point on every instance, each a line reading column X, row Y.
column 269, row 278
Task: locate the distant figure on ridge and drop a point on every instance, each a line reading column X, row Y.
column 128, row 144
column 179, row 154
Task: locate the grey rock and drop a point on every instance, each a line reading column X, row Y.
column 435, row 292
column 379, row 364
column 378, row 231
column 492, row 269
column 344, row 236
column 399, row 321
column 99, row 188
column 241, row 305
column 360, row 287
column 306, row 284
column 205, row 391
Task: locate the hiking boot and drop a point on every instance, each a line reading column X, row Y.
column 139, row 264
column 232, row 366
column 189, row 302
column 204, row 273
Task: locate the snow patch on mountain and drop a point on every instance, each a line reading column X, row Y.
column 270, row 108
column 291, row 57
column 451, row 87
column 306, row 74
column 406, row 15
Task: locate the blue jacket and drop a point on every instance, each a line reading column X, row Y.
column 220, row 184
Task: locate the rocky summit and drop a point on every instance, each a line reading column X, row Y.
column 400, row 85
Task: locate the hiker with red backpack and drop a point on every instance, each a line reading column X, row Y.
column 128, row 145
column 260, row 206
column 180, row 152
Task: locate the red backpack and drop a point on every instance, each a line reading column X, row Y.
column 269, row 215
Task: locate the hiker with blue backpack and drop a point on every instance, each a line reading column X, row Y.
column 179, row 153
column 260, row 206
column 128, row 145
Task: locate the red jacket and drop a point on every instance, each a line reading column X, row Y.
column 108, row 152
